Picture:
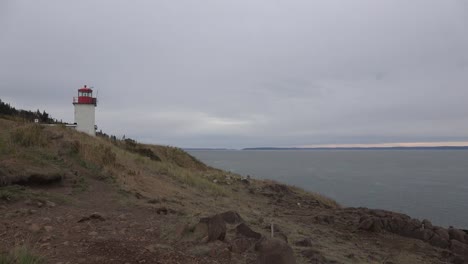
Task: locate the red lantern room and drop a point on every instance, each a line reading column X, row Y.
column 85, row 96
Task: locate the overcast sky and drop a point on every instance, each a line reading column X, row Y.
column 245, row 73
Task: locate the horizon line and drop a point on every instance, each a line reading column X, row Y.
column 390, row 145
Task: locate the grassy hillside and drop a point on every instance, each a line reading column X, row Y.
column 35, row 154
column 66, row 196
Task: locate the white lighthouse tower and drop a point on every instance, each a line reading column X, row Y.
column 85, row 105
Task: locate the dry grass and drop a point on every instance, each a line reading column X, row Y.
column 128, row 163
column 29, row 135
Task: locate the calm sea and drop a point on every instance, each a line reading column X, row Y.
column 430, row 184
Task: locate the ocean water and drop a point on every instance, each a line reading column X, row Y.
column 425, row 184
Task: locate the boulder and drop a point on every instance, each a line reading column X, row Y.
column 457, row 234
column 423, row 234
column 216, row 228
column 201, row 231
column 373, row 224
column 246, row 231
column 395, row 225
column 231, row 217
column 377, row 226
column 366, row 224
column 427, row 224
column 241, row 244
column 443, row 233
column 211, row 229
column 438, row 241
column 409, row 228
column 458, row 247
column 274, row 251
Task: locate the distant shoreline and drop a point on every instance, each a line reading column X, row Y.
column 366, row 148
column 337, row 148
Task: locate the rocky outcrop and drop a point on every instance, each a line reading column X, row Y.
column 380, row 220
column 241, row 239
column 215, row 228
column 274, row 251
column 231, row 217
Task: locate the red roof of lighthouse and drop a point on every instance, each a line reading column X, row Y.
column 85, row 90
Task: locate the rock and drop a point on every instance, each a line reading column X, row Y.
column 34, row 228
column 423, row 234
column 50, row 204
column 241, row 244
column 395, row 225
column 201, row 230
column 45, row 239
column 246, row 182
column 443, row 233
column 213, row 227
column 231, row 217
column 372, row 224
column 306, row 242
column 377, row 226
column 458, row 247
column 410, row 226
column 97, row 216
column 93, row 216
column 366, row 224
column 165, row 211
column 427, row 224
column 438, row 241
column 457, row 234
column 274, row 251
column 162, row 210
column 245, row 231
column 151, row 248
column 325, row 219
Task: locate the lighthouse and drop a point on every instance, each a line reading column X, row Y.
column 85, row 105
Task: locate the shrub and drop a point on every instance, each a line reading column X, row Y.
column 21, row 255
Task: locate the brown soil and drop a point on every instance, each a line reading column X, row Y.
column 131, row 230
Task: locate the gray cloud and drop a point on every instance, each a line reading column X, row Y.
column 245, row 73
